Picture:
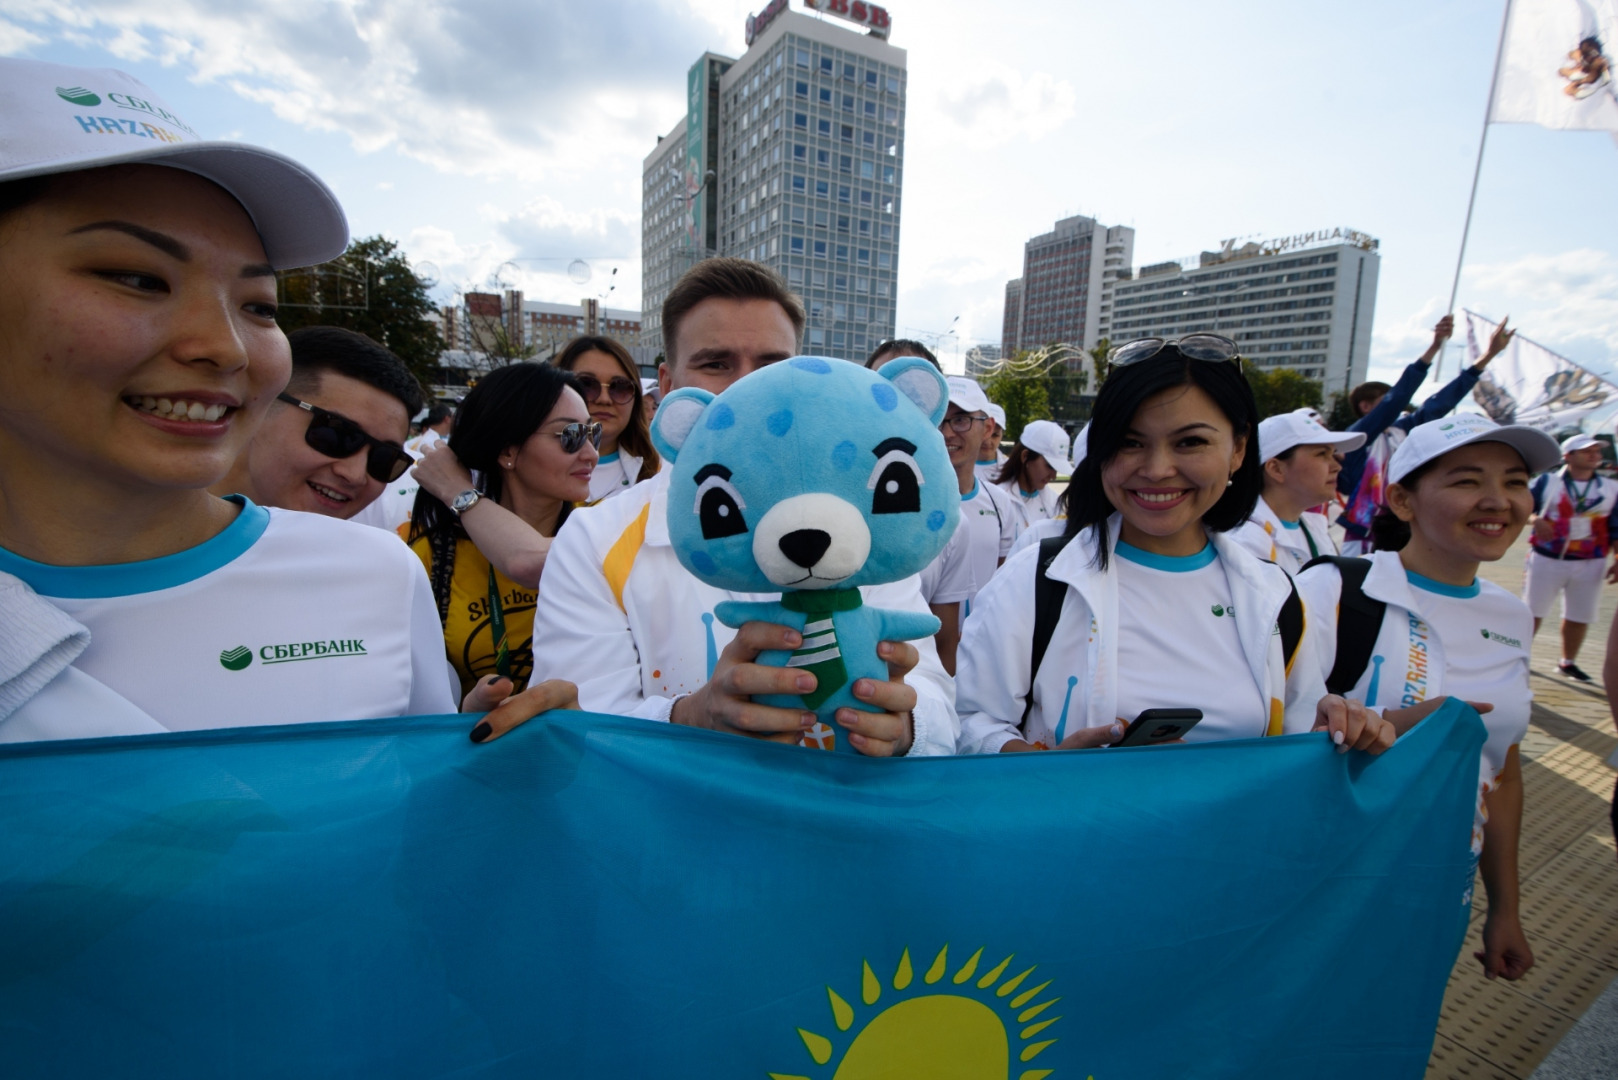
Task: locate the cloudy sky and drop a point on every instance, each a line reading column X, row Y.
column 498, row 138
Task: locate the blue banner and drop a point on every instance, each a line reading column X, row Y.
column 610, row 897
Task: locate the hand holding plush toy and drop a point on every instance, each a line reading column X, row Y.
column 813, row 477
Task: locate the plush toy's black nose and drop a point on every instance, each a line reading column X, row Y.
column 805, row 546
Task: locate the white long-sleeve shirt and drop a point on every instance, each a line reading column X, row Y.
column 633, row 629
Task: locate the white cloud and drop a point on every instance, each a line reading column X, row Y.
column 539, row 90
column 14, row 39
column 1561, row 300
column 1002, row 105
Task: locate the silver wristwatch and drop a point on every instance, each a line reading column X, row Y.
column 465, row 501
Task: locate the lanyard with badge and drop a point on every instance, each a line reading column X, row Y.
column 1578, row 526
column 497, row 630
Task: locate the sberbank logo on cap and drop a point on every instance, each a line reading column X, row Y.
column 237, row 658
column 78, row 95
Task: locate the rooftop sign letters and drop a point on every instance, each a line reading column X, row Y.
column 757, row 23
column 873, row 18
column 1318, row 238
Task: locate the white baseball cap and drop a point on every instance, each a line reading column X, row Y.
column 1049, row 441
column 57, row 119
column 966, row 394
column 1436, row 438
column 1281, row 433
column 998, row 413
column 1581, row 441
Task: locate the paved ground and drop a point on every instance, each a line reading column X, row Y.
column 1569, row 869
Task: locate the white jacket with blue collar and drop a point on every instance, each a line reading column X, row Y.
column 992, row 680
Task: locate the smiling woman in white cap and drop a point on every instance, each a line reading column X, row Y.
column 1573, row 520
column 1415, row 624
column 1301, row 462
column 1038, row 457
column 139, row 350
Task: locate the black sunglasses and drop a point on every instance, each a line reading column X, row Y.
column 620, row 389
column 573, row 436
column 1211, row 347
column 337, row 436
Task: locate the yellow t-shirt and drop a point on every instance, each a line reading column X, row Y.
column 468, row 639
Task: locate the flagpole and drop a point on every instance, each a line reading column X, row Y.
column 1477, row 170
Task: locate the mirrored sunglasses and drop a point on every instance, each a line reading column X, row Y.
column 1211, row 347
column 573, row 435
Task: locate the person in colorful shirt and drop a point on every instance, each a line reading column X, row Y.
column 527, row 432
column 1572, row 526
column 1363, row 481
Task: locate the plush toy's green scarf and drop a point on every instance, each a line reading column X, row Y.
column 820, row 653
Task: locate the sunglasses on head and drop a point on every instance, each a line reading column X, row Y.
column 1211, row 347
column 573, row 436
column 337, row 436
column 619, row 389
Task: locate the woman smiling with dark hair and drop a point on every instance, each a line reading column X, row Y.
column 139, row 351
column 1158, row 608
column 527, row 433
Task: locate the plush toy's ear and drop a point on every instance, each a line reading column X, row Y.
column 675, row 418
column 919, row 381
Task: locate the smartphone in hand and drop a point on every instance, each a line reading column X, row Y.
column 1160, row 726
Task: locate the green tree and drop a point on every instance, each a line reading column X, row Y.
column 370, row 288
column 1025, row 395
column 1340, row 414
column 1281, row 390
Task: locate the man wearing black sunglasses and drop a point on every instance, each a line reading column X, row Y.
column 334, row 439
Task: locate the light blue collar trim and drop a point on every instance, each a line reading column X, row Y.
column 130, row 579
column 607, row 459
column 1174, row 564
column 970, row 495
column 1285, row 524
column 1457, row 592
column 1027, row 494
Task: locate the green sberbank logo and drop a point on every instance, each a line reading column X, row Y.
column 1502, row 639
column 292, row 652
column 78, row 95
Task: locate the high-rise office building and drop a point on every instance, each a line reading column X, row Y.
column 1303, row 302
column 1065, row 290
column 791, row 155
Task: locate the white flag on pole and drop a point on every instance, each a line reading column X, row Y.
column 1529, row 384
column 1556, row 66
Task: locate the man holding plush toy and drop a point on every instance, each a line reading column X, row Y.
column 621, row 617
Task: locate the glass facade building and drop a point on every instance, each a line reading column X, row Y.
column 791, row 155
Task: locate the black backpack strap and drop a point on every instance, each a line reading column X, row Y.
column 1048, row 594
column 1291, row 623
column 1359, row 621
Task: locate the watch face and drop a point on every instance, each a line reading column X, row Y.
column 464, row 500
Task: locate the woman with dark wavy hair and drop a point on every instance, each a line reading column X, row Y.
column 610, row 382
column 1159, row 607
column 530, row 444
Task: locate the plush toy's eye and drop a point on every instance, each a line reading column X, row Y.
column 719, row 505
column 896, row 481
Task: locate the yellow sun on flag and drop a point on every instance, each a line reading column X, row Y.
column 964, row 1025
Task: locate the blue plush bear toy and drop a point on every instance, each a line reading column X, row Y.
column 811, row 478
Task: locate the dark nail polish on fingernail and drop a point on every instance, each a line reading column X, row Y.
column 482, row 731
column 808, row 720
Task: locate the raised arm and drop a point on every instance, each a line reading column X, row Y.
column 506, row 540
